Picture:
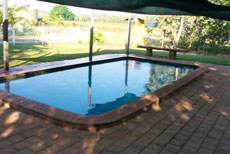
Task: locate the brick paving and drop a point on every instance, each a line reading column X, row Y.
column 195, row 119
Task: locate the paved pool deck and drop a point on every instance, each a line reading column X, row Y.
column 194, row 119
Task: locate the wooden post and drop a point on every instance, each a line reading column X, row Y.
column 91, row 37
column 5, row 36
column 163, row 39
column 172, row 55
column 149, row 52
column 129, row 35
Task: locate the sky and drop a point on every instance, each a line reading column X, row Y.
column 34, row 4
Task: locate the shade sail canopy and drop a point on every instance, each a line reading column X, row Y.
column 154, row 7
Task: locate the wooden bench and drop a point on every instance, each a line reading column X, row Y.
column 172, row 52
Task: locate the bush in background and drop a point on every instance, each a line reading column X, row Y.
column 98, row 37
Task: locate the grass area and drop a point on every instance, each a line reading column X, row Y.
column 219, row 60
column 29, row 54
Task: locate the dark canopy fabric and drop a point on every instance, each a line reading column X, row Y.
column 154, row 7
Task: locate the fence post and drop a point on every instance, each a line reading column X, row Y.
column 13, row 35
column 42, row 34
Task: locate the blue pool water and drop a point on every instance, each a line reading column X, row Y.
column 98, row 88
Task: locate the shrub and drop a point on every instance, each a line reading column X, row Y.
column 98, row 37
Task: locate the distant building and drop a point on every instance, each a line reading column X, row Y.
column 138, row 28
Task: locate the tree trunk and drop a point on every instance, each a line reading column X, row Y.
column 163, row 39
column 177, row 37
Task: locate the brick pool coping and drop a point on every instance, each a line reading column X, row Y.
column 87, row 122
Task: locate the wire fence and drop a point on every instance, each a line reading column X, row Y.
column 43, row 34
column 115, row 35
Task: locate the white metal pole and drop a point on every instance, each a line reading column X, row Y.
column 92, row 19
column 5, row 35
column 42, row 34
column 135, row 31
column 13, row 34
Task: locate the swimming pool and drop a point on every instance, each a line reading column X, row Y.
column 98, row 88
column 82, row 94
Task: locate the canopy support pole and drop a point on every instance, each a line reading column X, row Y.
column 135, row 31
column 91, row 45
column 126, row 76
column 90, row 86
column 129, row 35
column 91, row 37
column 5, row 36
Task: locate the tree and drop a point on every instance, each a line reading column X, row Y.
column 200, row 34
column 178, row 34
column 61, row 12
column 12, row 15
column 205, row 34
column 170, row 27
column 47, row 20
column 98, row 38
column 220, row 2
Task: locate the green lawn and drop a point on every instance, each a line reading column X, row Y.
column 28, row 54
